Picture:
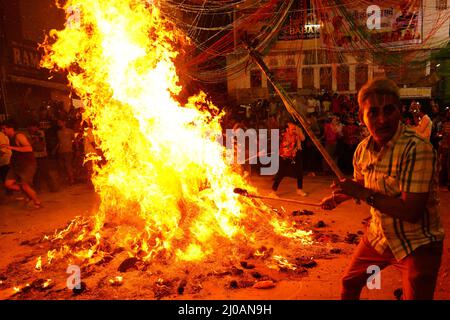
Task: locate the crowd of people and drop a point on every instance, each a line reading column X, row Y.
column 49, row 153
column 44, row 153
column 335, row 121
column 394, row 152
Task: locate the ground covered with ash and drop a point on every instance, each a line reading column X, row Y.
column 116, row 275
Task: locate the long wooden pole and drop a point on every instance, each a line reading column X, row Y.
column 285, row 200
column 290, row 108
column 245, row 193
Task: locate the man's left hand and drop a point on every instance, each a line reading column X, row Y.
column 351, row 188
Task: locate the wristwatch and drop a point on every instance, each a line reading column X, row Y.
column 371, row 199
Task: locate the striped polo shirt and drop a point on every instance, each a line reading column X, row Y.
column 407, row 163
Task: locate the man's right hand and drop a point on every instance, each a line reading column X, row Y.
column 328, row 203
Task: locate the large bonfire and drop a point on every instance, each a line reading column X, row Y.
column 165, row 187
column 165, row 183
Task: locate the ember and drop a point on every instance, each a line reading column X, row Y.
column 39, row 264
column 116, row 281
column 266, row 284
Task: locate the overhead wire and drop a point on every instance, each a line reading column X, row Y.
column 214, row 42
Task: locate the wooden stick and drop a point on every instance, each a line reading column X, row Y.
column 290, row 108
column 285, row 200
column 245, row 193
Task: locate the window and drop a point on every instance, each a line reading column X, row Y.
column 362, row 75
column 326, row 78
column 322, row 57
column 255, row 79
column 273, row 62
column 343, row 74
column 308, row 78
column 441, row 5
column 287, row 78
column 290, row 62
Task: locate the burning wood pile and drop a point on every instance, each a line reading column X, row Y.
column 48, row 271
column 51, row 268
column 168, row 218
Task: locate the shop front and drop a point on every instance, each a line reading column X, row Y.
column 27, row 88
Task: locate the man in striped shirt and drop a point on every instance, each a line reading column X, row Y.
column 395, row 172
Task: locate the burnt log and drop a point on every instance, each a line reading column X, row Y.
column 236, row 271
column 265, row 284
column 181, row 286
column 320, row 224
column 247, row 265
column 82, row 288
column 127, row 264
column 302, row 213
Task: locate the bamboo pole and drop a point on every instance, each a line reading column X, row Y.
column 290, row 108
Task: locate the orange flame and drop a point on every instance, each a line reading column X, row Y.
column 38, row 265
column 164, row 183
column 282, row 262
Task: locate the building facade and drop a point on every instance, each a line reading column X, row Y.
column 311, row 56
column 25, row 87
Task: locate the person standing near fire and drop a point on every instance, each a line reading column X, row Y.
column 37, row 139
column 423, row 122
column 5, row 155
column 444, row 149
column 291, row 154
column 350, row 134
column 65, row 150
column 332, row 134
column 395, row 173
column 23, row 163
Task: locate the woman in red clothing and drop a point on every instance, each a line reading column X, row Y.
column 332, row 132
column 291, row 154
column 351, row 134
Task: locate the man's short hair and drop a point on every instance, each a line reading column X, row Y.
column 380, row 87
